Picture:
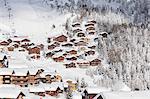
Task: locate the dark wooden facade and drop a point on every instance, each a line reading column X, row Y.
column 95, row 62
column 61, row 38
column 34, row 50
column 59, row 59
column 4, row 43
column 70, row 65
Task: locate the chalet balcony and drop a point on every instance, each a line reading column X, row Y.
column 7, row 82
column 22, row 83
column 19, row 79
column 6, row 79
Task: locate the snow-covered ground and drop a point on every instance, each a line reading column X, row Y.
column 32, row 19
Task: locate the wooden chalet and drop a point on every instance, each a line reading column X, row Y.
column 20, row 77
column 49, row 54
column 72, row 52
column 77, row 30
column 80, row 43
column 57, row 51
column 52, row 46
column 90, row 52
column 59, row 59
column 10, row 48
column 89, row 95
column 41, row 46
column 25, row 46
column 104, row 34
column 15, row 45
column 83, row 63
column 33, row 76
column 34, row 50
column 22, row 50
column 90, row 28
column 65, row 54
column 92, row 32
column 67, row 45
column 89, row 24
column 25, row 43
column 76, row 24
column 5, row 75
column 70, row 65
column 92, row 47
column 72, row 85
column 80, row 34
column 61, row 38
column 53, row 91
column 49, row 77
column 56, row 43
column 95, row 62
column 35, row 56
column 25, row 40
column 92, row 21
column 85, row 39
column 9, row 40
column 37, row 90
column 54, row 88
column 82, row 48
column 92, row 92
column 16, row 39
column 122, row 94
column 72, row 40
column 4, row 43
column 18, row 42
column 73, row 58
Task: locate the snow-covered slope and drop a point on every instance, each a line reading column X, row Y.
column 28, row 18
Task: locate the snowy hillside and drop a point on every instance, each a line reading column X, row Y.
column 97, row 46
column 28, row 18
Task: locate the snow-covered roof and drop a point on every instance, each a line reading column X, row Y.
column 9, row 92
column 103, row 32
column 126, row 95
column 53, row 86
column 52, row 73
column 76, row 96
column 91, row 57
column 58, row 54
column 36, row 89
column 20, row 72
column 16, row 38
column 12, row 43
column 96, row 90
column 82, row 61
column 17, row 65
column 33, row 71
column 72, row 80
column 6, row 71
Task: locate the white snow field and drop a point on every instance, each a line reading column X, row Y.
column 30, row 18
